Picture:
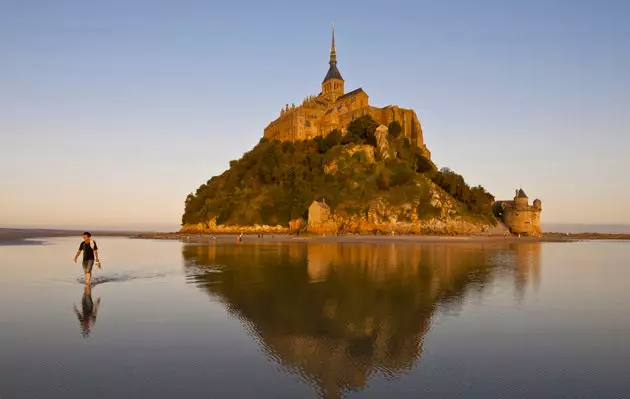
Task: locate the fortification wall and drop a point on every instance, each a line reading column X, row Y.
column 522, row 220
column 284, row 128
column 303, row 123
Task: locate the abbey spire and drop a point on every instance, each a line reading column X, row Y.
column 333, row 72
column 333, row 53
column 333, row 109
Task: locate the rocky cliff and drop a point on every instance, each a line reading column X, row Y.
column 372, row 179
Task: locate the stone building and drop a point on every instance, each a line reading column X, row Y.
column 318, row 214
column 518, row 215
column 333, row 108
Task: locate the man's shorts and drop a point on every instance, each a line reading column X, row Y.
column 87, row 265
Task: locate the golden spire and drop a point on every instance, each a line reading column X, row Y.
column 333, row 53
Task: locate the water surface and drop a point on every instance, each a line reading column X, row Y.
column 315, row 320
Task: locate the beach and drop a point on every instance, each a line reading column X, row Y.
column 12, row 236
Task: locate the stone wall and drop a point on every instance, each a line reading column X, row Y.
column 285, row 127
column 318, row 117
column 522, row 220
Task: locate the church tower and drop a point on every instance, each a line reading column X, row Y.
column 332, row 86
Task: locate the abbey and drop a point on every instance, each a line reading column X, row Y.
column 334, row 108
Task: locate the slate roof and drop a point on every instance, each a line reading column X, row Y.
column 333, row 73
column 350, row 93
column 521, row 193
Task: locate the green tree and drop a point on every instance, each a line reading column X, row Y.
column 332, row 139
column 361, row 130
column 401, row 173
column 421, row 163
column 394, row 129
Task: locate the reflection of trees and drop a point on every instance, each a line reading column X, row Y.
column 337, row 313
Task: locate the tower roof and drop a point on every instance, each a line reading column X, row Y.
column 333, row 72
column 521, row 194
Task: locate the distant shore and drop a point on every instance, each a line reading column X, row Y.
column 10, row 236
column 27, row 236
column 547, row 237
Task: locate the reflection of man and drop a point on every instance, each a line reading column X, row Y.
column 90, row 255
column 87, row 318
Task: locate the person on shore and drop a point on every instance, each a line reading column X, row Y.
column 240, row 237
column 90, row 255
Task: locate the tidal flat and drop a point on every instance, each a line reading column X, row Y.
column 311, row 319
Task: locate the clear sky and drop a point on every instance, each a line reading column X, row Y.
column 111, row 112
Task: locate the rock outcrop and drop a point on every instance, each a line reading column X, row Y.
column 382, row 141
column 382, row 217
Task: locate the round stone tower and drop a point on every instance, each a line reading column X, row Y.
column 538, row 204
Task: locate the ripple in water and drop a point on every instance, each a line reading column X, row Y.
column 119, row 277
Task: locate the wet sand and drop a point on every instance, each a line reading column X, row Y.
column 473, row 238
column 284, row 238
column 34, row 236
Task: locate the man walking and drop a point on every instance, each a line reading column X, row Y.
column 90, row 255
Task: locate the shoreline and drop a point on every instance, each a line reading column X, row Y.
column 12, row 236
column 358, row 238
column 23, row 237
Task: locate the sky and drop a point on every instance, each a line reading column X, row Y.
column 112, row 112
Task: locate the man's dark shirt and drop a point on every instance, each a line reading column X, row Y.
column 88, row 252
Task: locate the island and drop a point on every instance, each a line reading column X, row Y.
column 337, row 165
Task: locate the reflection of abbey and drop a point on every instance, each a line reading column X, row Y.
column 334, row 108
column 340, row 314
column 519, row 216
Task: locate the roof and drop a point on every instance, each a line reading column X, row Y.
column 333, row 73
column 351, row 93
column 521, row 194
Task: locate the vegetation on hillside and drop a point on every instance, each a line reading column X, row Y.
column 276, row 181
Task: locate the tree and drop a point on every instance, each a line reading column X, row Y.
column 422, row 164
column 383, row 180
column 332, row 139
column 361, row 130
column 394, row 129
column 401, row 173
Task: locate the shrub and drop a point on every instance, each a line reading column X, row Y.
column 394, row 129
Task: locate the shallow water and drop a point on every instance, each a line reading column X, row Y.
column 303, row 320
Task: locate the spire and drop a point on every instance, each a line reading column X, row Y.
column 333, row 72
column 333, row 53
